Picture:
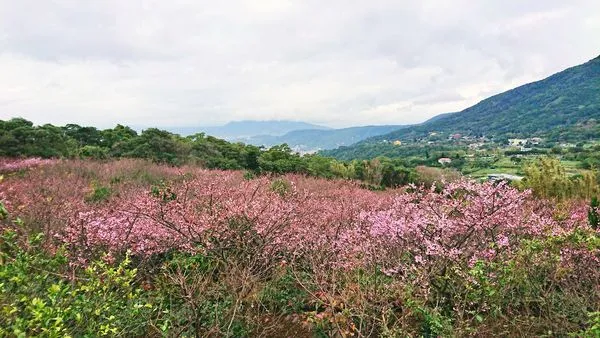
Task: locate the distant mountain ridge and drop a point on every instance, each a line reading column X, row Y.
column 300, row 136
column 561, row 102
column 318, row 139
column 237, row 130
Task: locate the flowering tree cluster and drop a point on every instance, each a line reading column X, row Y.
column 197, row 209
column 467, row 221
column 219, row 211
column 449, row 247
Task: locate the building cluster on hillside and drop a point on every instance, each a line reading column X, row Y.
column 467, row 138
column 522, row 142
column 476, row 145
column 472, row 142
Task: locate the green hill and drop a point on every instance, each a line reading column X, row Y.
column 564, row 106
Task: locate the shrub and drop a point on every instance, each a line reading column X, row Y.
column 98, row 194
column 281, row 186
column 249, row 175
column 593, row 217
column 93, row 152
column 40, row 295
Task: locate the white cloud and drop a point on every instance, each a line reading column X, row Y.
column 174, row 63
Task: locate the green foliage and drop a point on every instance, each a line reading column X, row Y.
column 163, row 192
column 249, row 175
column 281, row 186
column 3, row 211
column 93, row 152
column 99, row 193
column 195, row 302
column 593, row 217
column 40, row 295
column 549, row 179
column 536, row 282
column 320, row 166
column 157, row 145
column 284, row 294
column 281, row 159
column 20, row 138
column 593, row 329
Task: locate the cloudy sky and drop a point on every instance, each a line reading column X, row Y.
column 339, row 63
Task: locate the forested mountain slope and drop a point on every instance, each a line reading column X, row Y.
column 565, row 105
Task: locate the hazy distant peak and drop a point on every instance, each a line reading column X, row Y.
column 249, row 128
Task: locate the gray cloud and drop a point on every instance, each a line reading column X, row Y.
column 341, row 63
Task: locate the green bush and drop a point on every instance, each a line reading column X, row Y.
column 281, row 186
column 283, row 294
column 249, row 175
column 41, row 295
column 593, row 329
column 195, row 299
column 537, row 288
column 93, row 152
column 593, row 217
column 98, row 194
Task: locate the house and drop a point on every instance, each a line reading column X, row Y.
column 516, row 142
column 455, row 136
column 397, row 143
column 444, row 160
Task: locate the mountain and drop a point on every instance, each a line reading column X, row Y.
column 437, row 117
column 565, row 105
column 309, row 140
column 241, row 130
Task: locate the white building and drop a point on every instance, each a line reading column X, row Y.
column 516, row 142
column 504, row 177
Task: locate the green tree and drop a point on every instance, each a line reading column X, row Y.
column 548, row 178
column 281, row 159
column 158, row 145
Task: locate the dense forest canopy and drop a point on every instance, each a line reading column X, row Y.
column 20, row 138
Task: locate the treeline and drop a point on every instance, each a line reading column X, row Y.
column 21, row 138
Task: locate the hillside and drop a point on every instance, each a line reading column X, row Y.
column 240, row 130
column 317, row 139
column 564, row 106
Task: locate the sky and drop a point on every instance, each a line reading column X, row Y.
column 332, row 62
